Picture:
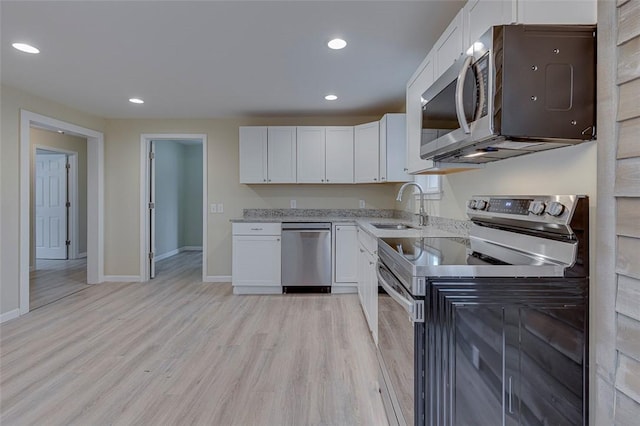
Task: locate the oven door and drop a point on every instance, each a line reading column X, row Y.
column 401, row 350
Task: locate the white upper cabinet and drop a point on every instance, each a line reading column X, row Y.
column 267, row 154
column 253, row 154
column 421, row 80
column 393, row 148
column 367, row 154
column 479, row 15
column 450, row 45
column 339, row 154
column 281, row 154
column 325, row 154
column 311, row 154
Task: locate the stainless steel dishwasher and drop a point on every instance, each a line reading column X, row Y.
column 306, row 256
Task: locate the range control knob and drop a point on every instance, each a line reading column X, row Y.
column 481, row 204
column 471, row 204
column 537, row 207
column 555, row 208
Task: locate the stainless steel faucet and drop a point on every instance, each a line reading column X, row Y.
column 422, row 215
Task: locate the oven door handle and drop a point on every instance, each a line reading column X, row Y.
column 460, row 95
column 414, row 308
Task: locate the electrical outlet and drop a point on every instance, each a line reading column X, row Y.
column 220, row 208
column 213, row 208
column 362, row 204
column 293, row 204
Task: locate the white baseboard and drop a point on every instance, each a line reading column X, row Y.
column 217, row 279
column 176, row 251
column 122, row 278
column 82, row 255
column 167, row 255
column 9, row 315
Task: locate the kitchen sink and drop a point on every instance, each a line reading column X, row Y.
column 395, row 226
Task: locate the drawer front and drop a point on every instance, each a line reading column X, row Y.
column 256, row 228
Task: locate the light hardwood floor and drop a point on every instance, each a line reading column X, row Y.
column 54, row 279
column 178, row 351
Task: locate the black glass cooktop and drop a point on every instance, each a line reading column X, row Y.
column 433, row 251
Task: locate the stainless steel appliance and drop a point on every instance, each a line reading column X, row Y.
column 306, row 255
column 505, row 334
column 518, row 89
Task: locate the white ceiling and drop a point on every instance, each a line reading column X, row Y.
column 202, row 59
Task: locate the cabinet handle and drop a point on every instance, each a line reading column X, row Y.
column 256, row 229
column 327, row 180
column 277, row 239
column 264, row 180
column 361, row 251
column 375, row 179
column 321, row 180
column 382, row 178
column 269, row 180
column 406, row 170
column 370, row 263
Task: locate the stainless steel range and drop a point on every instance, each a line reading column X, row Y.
column 497, row 329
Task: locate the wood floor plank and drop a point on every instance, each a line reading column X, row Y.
column 176, row 350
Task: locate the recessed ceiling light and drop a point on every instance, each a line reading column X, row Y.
column 337, row 43
column 136, row 101
column 331, row 97
column 26, row 48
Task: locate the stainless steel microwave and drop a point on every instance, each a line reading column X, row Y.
column 519, row 89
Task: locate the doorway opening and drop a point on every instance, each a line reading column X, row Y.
column 94, row 142
column 173, row 199
column 58, row 252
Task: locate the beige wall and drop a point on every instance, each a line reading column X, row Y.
column 12, row 101
column 48, row 139
column 122, row 186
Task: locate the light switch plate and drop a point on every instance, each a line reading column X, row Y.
column 293, row 204
column 213, row 208
column 362, row 204
column 220, row 208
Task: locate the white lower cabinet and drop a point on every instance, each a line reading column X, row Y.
column 368, row 281
column 345, row 258
column 256, row 258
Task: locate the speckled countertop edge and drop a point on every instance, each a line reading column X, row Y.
column 364, row 218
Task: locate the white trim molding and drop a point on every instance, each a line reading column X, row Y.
column 217, row 279
column 9, row 315
column 190, row 248
column 122, row 278
column 95, row 197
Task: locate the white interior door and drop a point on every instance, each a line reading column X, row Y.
column 152, row 210
column 51, row 206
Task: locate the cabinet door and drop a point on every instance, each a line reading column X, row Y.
column 382, row 156
column 281, row 155
column 253, row 155
column 339, row 154
column 256, row 260
column 372, row 296
column 480, row 15
column 311, row 154
column 415, row 89
column 367, row 152
column 362, row 276
column 449, row 46
column 345, row 254
column 396, row 149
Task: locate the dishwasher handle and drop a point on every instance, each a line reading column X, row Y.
column 306, row 226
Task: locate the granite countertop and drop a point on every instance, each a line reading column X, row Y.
column 436, row 227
